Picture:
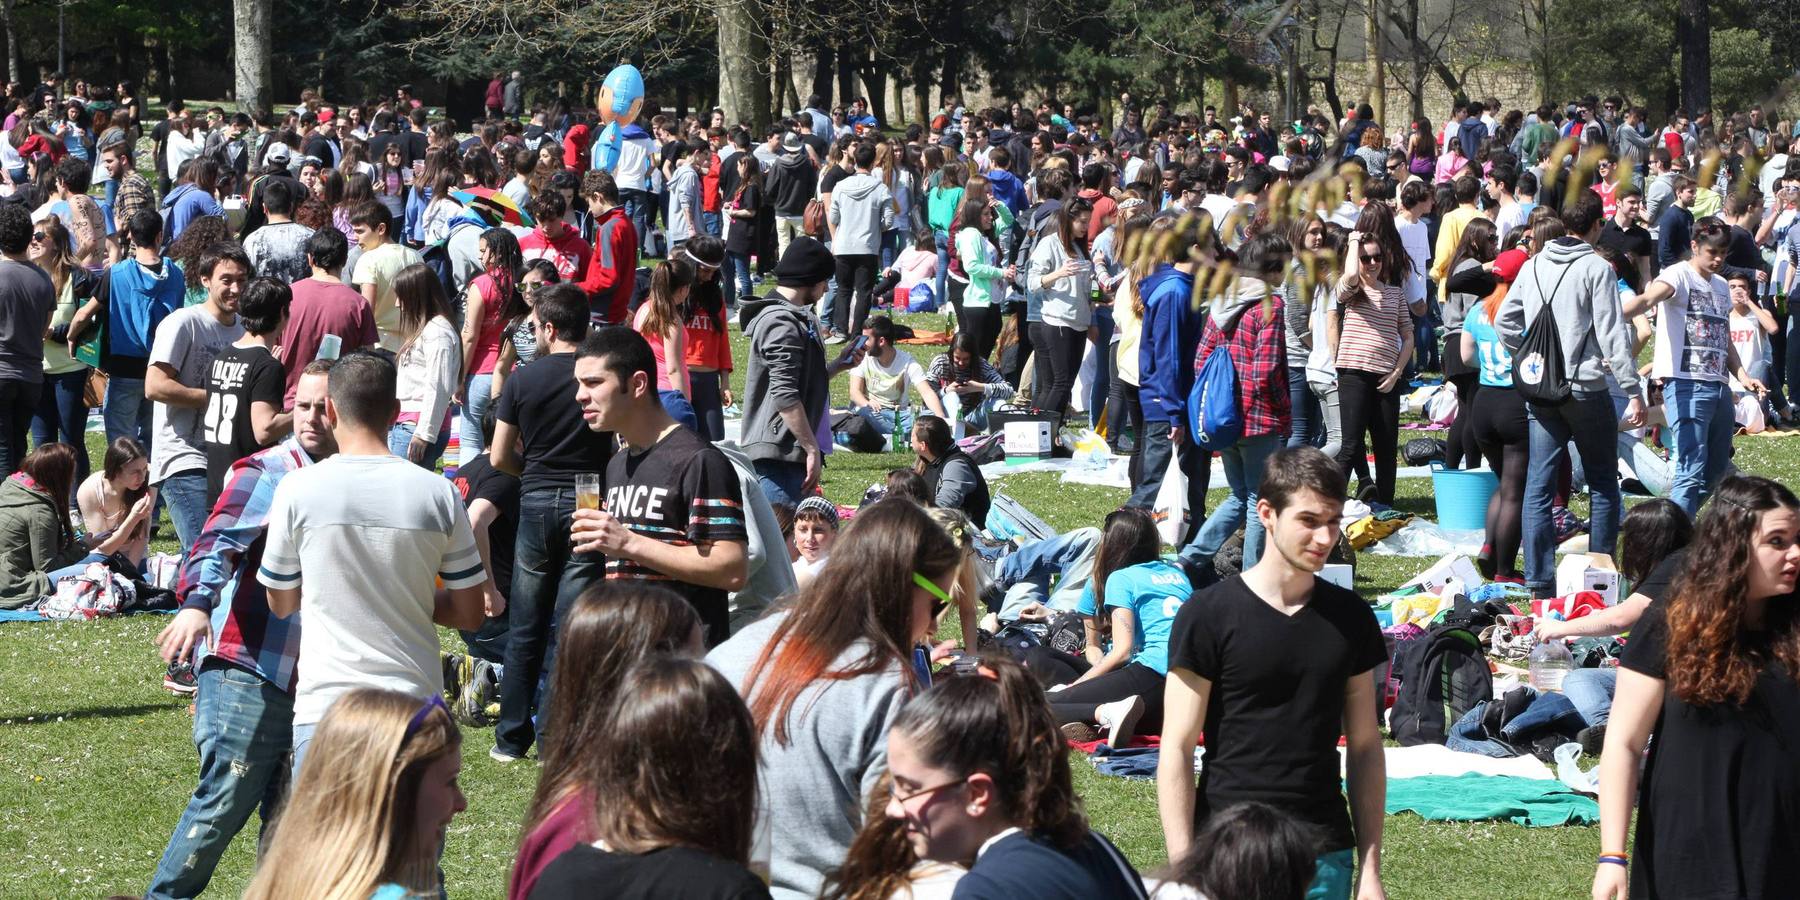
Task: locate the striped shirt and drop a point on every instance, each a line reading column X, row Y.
column 1369, row 339
column 364, row 539
column 218, row 577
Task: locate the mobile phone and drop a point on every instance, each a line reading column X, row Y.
column 861, row 341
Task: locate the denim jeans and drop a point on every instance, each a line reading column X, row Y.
column 1025, row 573
column 477, row 400
column 73, row 569
column 1305, row 405
column 640, row 207
column 781, row 481
column 18, row 401
column 1244, row 462
column 1591, row 690
column 1154, row 452
column 62, row 416
column 883, row 422
column 1701, row 424
column 676, row 404
column 1588, row 420
column 243, row 728
column 401, row 435
column 737, row 275
column 185, row 493
column 711, row 223
column 126, row 412
column 303, row 735
column 1791, row 377
column 547, row 577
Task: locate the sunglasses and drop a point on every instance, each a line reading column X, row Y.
column 37, row 236
column 931, row 588
column 1370, row 259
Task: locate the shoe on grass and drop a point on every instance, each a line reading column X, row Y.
column 179, row 679
column 1080, row 732
column 1592, row 739
column 501, row 756
column 1119, row 718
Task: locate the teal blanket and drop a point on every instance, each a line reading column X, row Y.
column 1532, row 802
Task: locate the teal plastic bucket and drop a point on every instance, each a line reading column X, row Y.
column 1462, row 497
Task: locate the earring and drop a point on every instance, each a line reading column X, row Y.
column 974, row 810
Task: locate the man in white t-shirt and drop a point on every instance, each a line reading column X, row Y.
column 357, row 541
column 180, row 356
column 1694, row 358
column 878, row 384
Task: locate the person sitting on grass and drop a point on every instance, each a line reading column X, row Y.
column 879, row 384
column 951, row 478
column 605, row 632
column 973, row 381
column 815, row 526
column 369, row 812
column 107, row 496
column 38, row 548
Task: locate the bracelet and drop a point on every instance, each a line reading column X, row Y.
column 1616, row 859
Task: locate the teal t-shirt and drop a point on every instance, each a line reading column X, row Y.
column 1154, row 592
column 1491, row 357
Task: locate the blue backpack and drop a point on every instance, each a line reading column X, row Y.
column 1212, row 403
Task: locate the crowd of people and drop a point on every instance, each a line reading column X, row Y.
column 282, row 343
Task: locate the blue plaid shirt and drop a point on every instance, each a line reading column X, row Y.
column 219, row 575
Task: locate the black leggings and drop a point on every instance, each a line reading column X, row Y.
column 1076, row 703
column 1498, row 425
column 707, row 396
column 1123, row 405
column 981, row 322
column 856, row 287
column 1461, row 451
column 1363, row 407
column 1061, row 349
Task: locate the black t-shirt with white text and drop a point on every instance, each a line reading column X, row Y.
column 1277, row 704
column 680, row 491
column 239, row 377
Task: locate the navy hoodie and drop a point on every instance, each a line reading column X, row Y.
column 1173, row 322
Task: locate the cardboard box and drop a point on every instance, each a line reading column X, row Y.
column 1339, row 574
column 1028, row 439
column 1452, row 566
column 1578, row 573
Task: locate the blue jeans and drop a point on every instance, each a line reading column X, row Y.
column 781, row 481
column 1587, row 419
column 883, row 421
column 477, row 400
column 676, row 404
column 1025, row 573
column 892, row 242
column 126, row 412
column 1701, row 424
column 62, row 416
column 547, row 577
column 640, row 208
column 243, row 728
column 711, row 222
column 1792, row 375
column 185, row 493
column 1244, row 462
column 1309, row 422
column 303, row 735
column 737, row 274
column 1591, row 691
column 73, row 569
column 401, row 435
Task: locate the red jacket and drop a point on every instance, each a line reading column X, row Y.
column 495, row 94
column 575, row 149
column 612, row 270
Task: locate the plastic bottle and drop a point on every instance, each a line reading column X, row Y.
column 953, row 409
column 896, row 442
column 1549, row 661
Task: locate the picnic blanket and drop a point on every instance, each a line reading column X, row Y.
column 921, row 336
column 1532, row 802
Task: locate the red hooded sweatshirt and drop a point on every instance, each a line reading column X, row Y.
column 612, row 270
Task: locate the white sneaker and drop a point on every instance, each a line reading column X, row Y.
column 499, row 755
column 1119, row 718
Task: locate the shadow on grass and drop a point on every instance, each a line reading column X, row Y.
column 97, row 712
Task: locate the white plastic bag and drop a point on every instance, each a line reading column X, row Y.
column 1170, row 509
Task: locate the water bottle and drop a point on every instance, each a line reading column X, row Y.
column 1549, row 662
column 953, row 409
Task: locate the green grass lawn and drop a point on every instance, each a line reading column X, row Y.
column 97, row 760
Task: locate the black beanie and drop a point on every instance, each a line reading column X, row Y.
column 805, row 264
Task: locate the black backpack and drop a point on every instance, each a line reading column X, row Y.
column 1539, row 371
column 1442, row 676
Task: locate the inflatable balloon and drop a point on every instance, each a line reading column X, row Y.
column 621, row 99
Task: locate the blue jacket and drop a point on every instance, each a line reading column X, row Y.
column 1171, row 335
column 1674, row 236
column 137, row 302
column 1008, row 189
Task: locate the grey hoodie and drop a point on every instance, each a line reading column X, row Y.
column 787, row 366
column 862, row 209
column 1589, row 321
column 771, row 575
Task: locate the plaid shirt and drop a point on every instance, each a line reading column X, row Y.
column 219, row 576
column 134, row 195
column 1258, row 348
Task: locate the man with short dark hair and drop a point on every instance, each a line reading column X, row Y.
column 860, row 211
column 381, row 262
column 1624, row 232
column 323, row 306
column 611, row 278
column 78, row 211
column 278, row 249
column 879, row 384
column 674, row 513
column 539, row 436
column 1277, row 657
column 133, row 195
column 685, row 194
column 1675, row 229
column 133, row 296
column 186, row 344
column 552, row 238
column 245, row 384
column 27, row 299
column 358, row 541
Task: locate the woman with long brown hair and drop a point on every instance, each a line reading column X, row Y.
column 661, row 320
column 1372, row 336
column 37, row 544
column 607, row 630
column 1714, row 674
column 429, row 366
column 1471, row 280
column 825, row 677
column 368, row 813
column 675, row 810
column 61, row 410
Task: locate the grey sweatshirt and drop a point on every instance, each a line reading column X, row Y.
column 1589, row 321
column 813, row 788
column 861, row 209
column 771, row 575
column 787, row 366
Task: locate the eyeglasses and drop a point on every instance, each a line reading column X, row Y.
column 931, row 588
column 418, row 719
column 904, row 798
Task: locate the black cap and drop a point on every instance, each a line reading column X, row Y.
column 805, row 264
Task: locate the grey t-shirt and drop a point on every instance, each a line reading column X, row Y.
column 278, row 251
column 187, row 340
column 27, row 299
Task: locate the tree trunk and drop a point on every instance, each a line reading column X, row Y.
column 921, row 88
column 950, row 79
column 1372, row 53
column 12, row 42
column 846, row 77
column 824, row 65
column 251, row 45
column 155, row 79
column 174, row 89
column 743, row 63
column 874, row 79
column 1693, row 30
